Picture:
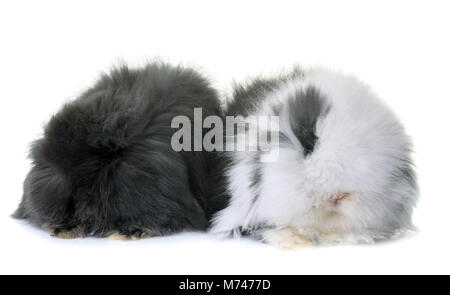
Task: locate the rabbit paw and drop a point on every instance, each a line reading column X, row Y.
column 286, row 238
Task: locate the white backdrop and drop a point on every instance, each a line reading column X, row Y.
column 51, row 50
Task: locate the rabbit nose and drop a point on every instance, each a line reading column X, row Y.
column 335, row 199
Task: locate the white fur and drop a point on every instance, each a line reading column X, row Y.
column 360, row 144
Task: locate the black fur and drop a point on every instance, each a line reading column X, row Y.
column 305, row 108
column 105, row 162
column 218, row 196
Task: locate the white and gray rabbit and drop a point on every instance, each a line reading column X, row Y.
column 339, row 172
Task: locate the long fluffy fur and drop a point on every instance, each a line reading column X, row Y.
column 105, row 163
column 344, row 172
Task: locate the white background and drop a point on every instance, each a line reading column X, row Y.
column 51, row 50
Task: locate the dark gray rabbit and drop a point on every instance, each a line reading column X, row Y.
column 105, row 165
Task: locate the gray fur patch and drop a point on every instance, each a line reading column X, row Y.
column 305, row 108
